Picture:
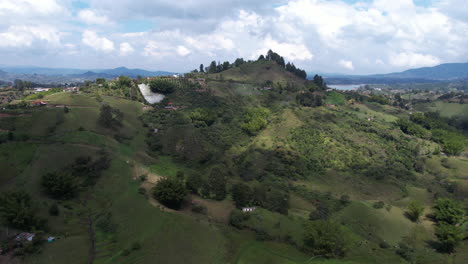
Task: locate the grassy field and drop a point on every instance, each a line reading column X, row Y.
column 444, row 108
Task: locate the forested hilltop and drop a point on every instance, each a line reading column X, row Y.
column 241, row 162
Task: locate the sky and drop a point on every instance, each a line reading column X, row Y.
column 327, row 36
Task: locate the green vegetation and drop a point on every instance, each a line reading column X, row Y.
column 170, row 192
column 162, row 86
column 327, row 176
column 255, row 120
column 325, row 239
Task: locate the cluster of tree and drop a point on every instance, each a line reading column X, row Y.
column 202, row 117
column 411, row 128
column 318, row 80
column 171, row 192
column 298, row 72
column 325, row 239
column 162, row 86
column 110, row 117
column 273, row 200
column 449, row 214
column 309, row 99
column 255, row 120
column 64, row 184
column 441, row 132
column 373, row 98
column 18, row 211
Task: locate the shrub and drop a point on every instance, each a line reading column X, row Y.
column 415, row 210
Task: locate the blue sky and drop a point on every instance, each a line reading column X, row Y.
column 347, row 36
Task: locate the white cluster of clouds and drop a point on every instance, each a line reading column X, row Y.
column 318, row 35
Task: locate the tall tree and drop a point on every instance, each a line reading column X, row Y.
column 202, row 68
column 217, row 184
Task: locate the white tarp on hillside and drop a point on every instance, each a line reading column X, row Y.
column 150, row 97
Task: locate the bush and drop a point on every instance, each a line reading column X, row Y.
column 415, row 210
column 170, row 192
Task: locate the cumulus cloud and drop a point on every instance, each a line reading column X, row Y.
column 346, row 64
column 89, row 16
column 26, row 36
column 125, row 49
column 413, row 60
column 365, row 36
column 91, row 39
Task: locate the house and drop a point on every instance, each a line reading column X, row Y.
column 267, row 88
column 170, row 106
column 39, row 103
column 249, row 209
column 25, row 237
column 71, row 89
column 41, row 89
column 155, row 130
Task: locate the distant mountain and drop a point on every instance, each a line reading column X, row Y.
column 448, row 71
column 439, row 73
column 133, row 72
column 67, row 75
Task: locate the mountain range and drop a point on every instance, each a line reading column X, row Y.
column 440, row 73
column 69, row 75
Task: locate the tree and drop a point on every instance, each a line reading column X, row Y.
column 59, row 185
column 324, row 238
column 202, row 68
column 212, row 68
column 242, row 195
column 16, row 208
column 217, row 184
column 237, row 217
column 255, row 120
column 162, row 86
column 415, row 210
column 124, row 82
column 448, row 211
column 110, row 117
column 226, row 65
column 449, row 236
column 170, row 192
column 194, row 183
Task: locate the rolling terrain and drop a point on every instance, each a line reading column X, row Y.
column 307, row 154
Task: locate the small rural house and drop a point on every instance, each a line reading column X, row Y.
column 25, row 237
column 249, row 209
column 39, row 103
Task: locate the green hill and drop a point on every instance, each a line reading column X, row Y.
column 301, row 155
